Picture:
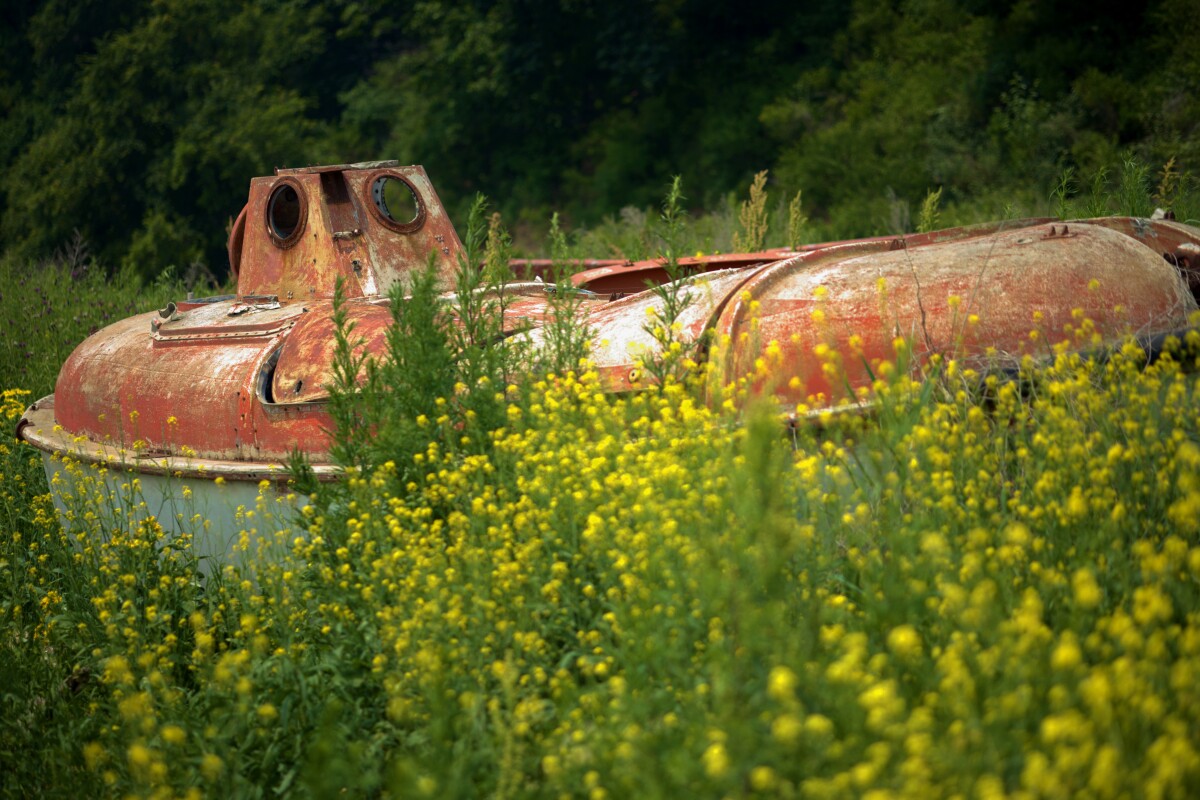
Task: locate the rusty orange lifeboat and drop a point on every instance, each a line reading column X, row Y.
column 227, row 387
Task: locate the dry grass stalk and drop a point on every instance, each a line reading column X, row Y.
column 752, row 217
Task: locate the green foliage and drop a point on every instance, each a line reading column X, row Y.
column 147, row 150
column 796, row 220
column 565, row 341
column 139, row 124
column 1133, row 190
column 439, row 383
column 930, row 215
column 1127, row 188
column 1063, row 191
column 1169, row 186
column 674, row 352
column 524, row 592
column 1098, row 199
column 645, row 596
column 485, row 354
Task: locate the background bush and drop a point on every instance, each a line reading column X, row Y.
column 140, row 124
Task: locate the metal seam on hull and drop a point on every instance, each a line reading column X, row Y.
column 266, row 333
column 37, row 429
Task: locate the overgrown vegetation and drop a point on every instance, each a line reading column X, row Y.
column 951, row 599
column 535, row 589
column 47, row 308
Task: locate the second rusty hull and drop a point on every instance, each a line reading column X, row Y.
column 997, row 297
column 821, row 320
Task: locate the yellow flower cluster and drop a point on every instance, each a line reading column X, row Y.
column 990, row 587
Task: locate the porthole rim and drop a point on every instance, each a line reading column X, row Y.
column 399, row 227
column 291, row 239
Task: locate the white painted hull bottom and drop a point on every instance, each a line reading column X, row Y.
column 229, row 521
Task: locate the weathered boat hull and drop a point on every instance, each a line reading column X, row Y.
column 220, row 503
column 229, row 387
column 991, row 298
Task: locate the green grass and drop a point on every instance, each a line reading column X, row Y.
column 1128, row 188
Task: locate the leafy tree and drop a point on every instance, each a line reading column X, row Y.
column 138, row 124
column 153, row 142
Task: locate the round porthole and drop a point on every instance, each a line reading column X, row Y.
column 286, row 213
column 396, row 202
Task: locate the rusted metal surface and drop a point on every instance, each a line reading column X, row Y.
column 198, row 394
column 340, row 232
column 982, row 296
column 242, row 380
column 237, row 237
column 230, row 386
column 629, row 277
column 304, row 366
column 635, row 276
column 543, row 269
column 39, row 427
column 621, row 330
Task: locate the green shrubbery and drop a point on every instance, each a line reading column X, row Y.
column 636, row 596
column 140, row 124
